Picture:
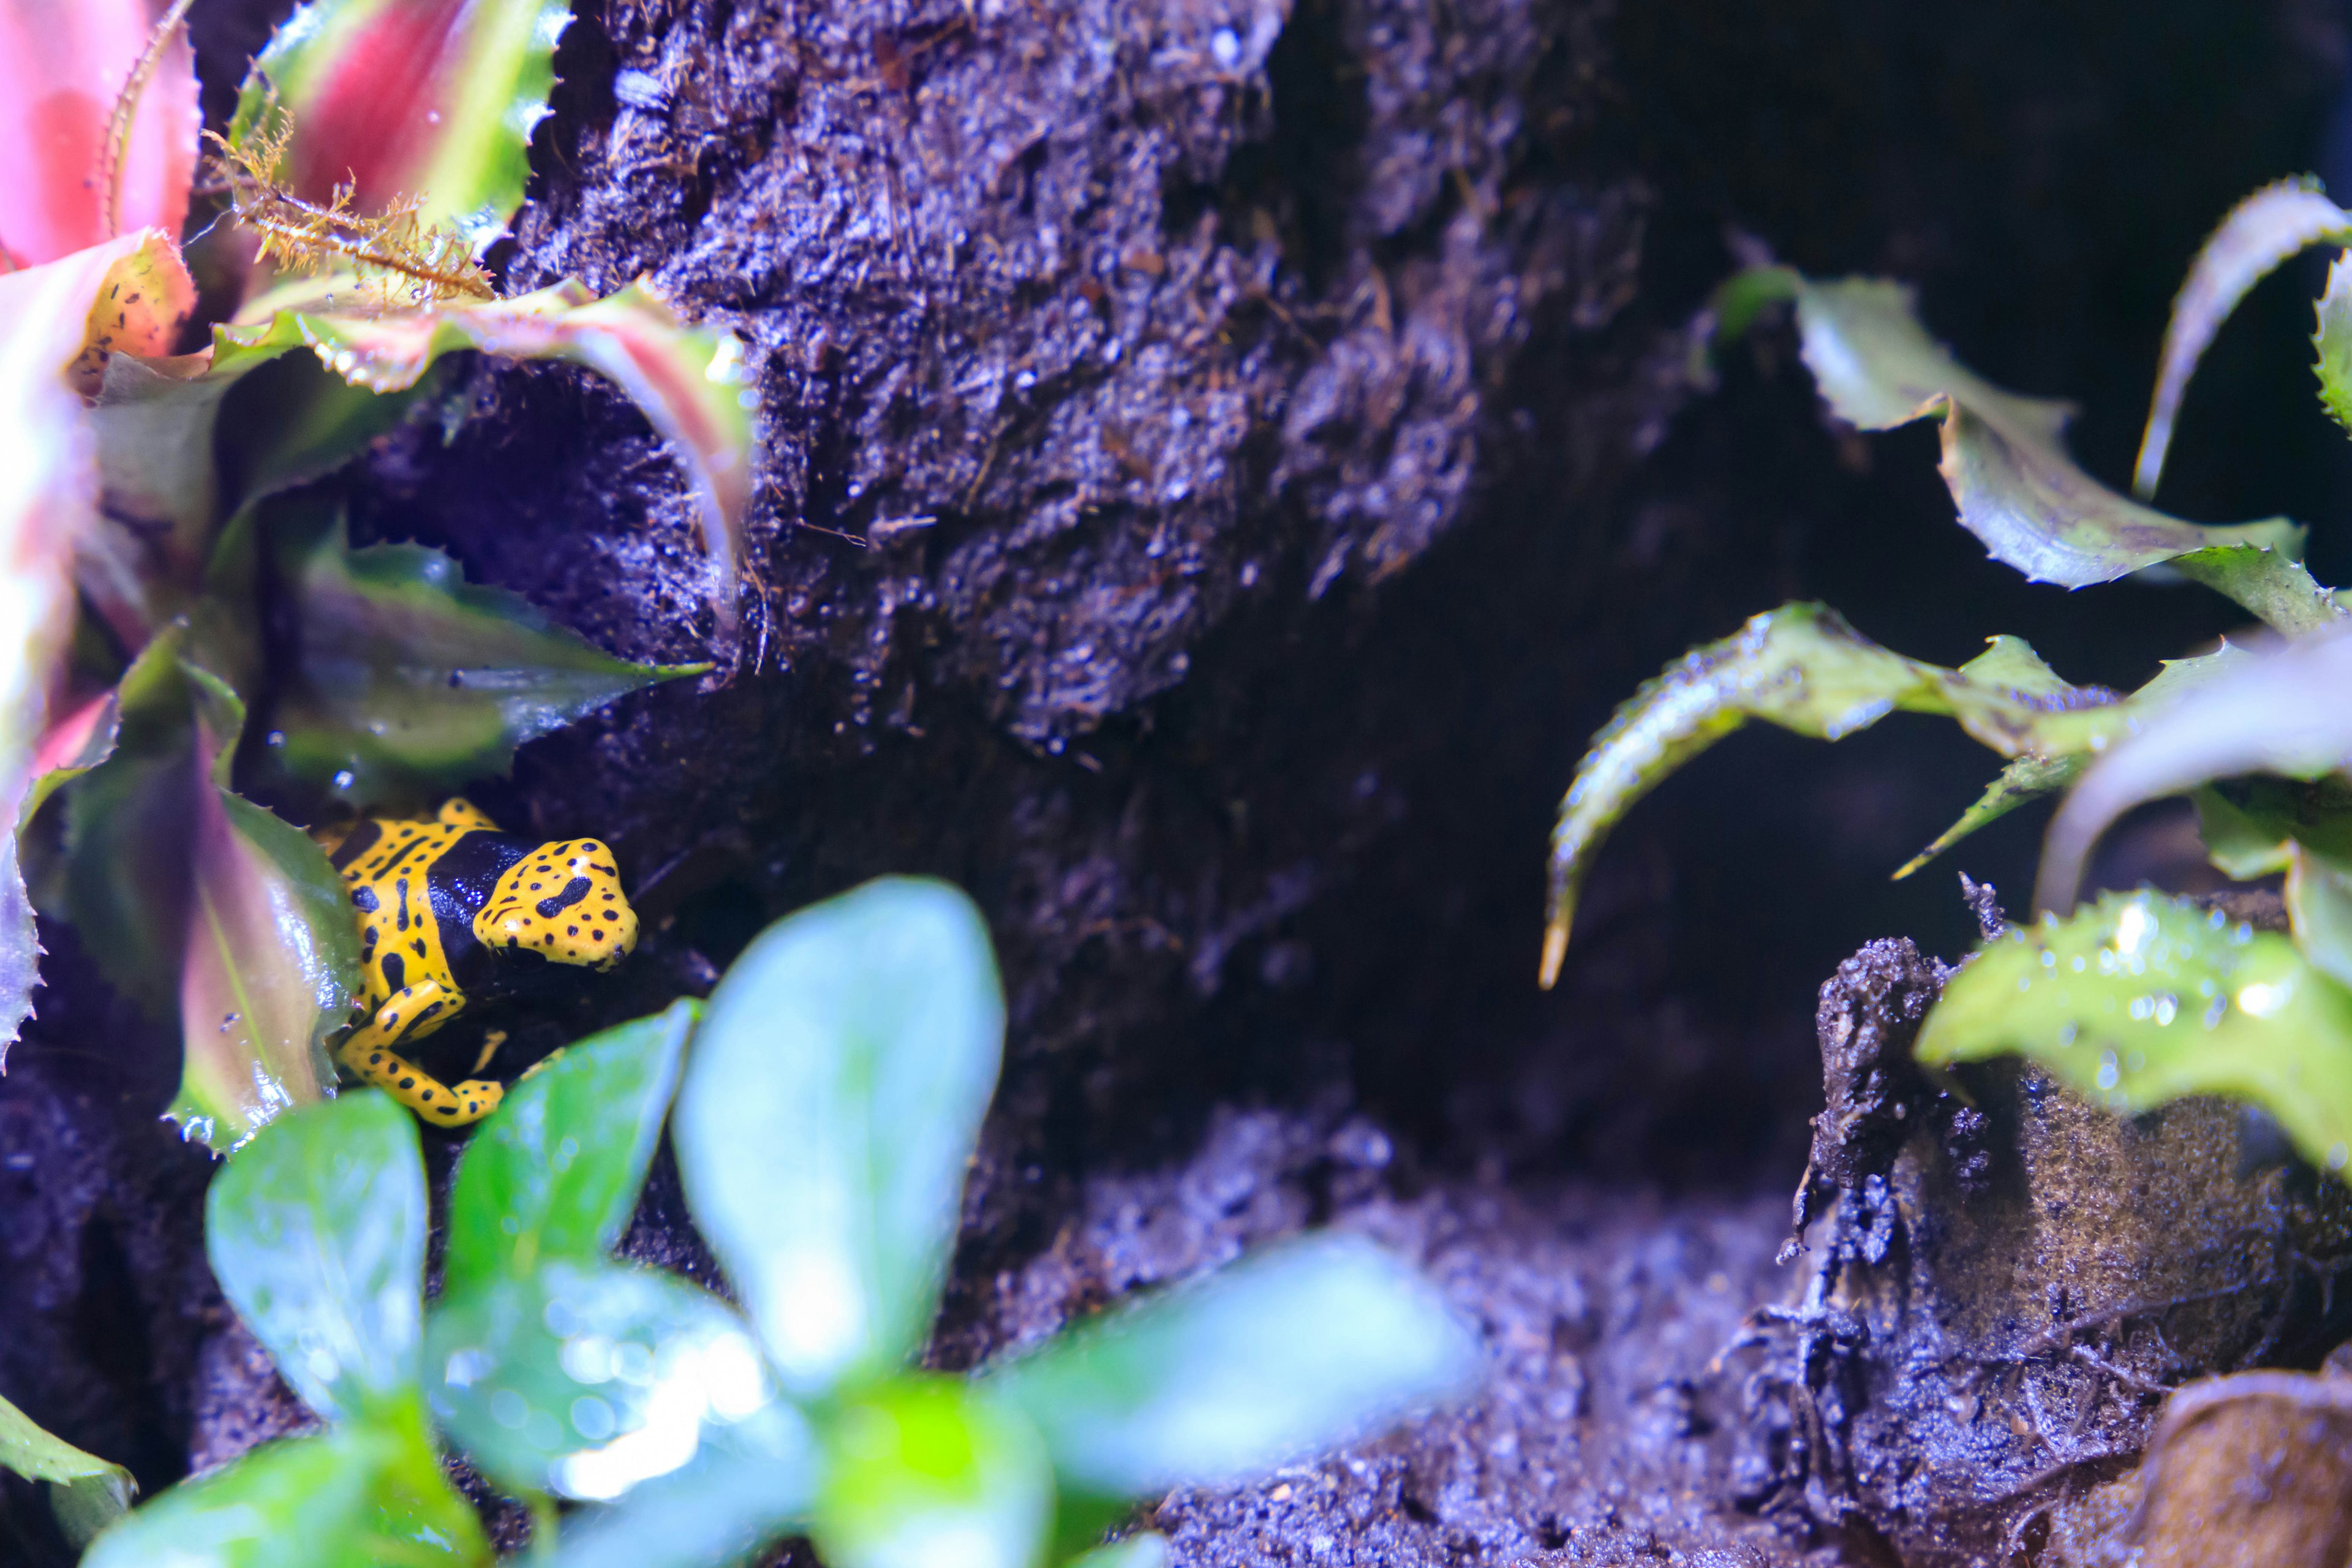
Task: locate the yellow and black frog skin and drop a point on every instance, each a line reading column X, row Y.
column 450, row 909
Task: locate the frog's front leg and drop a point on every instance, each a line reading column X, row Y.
column 417, row 1010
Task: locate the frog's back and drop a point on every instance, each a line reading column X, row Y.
column 416, row 887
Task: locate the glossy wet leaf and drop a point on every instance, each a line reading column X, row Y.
column 355, row 1496
column 86, row 1492
column 735, row 1497
column 411, row 680
column 1279, row 1357
column 271, row 966
column 834, row 1094
column 2004, row 458
column 2282, row 712
column 62, row 65
column 1801, row 666
column 2139, row 999
column 430, row 98
column 554, row 1174
column 2262, row 231
column 316, row 1231
column 932, row 1473
column 687, row 381
column 584, row 1380
column 2334, row 342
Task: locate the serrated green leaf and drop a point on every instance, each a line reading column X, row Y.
column 2262, row 231
column 1275, row 1358
column 370, row 1496
column 2334, row 342
column 554, row 1174
column 2026, row 778
column 316, row 1231
column 410, row 680
column 433, row 99
column 2139, row 999
column 585, row 1380
column 932, row 1473
column 832, row 1097
column 87, row 1493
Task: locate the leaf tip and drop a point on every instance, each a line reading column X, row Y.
column 1555, row 949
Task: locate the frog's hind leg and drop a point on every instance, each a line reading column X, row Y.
column 369, row 1054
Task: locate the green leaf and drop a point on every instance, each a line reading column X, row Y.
column 2282, row 712
column 271, row 966
column 429, row 98
column 834, row 1096
column 2006, row 465
column 1147, row 1549
column 2334, row 342
column 2139, row 999
column 2266, row 228
column 1279, row 1357
column 721, row 1510
column 554, row 1174
column 932, row 1473
column 316, row 1231
column 687, row 381
column 2024, row 779
column 1801, row 666
column 410, row 680
column 587, row 1379
column 353, row 1496
column 2319, row 904
column 87, row 1494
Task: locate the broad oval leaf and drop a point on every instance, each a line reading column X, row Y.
column 355, row 1496
column 2139, row 999
column 586, row 1380
column 1277, row 1357
column 316, row 1231
column 744, row 1489
column 2266, row 228
column 435, row 99
column 411, row 680
column 87, row 1493
column 932, row 1473
column 834, row 1096
column 63, row 66
column 554, row 1174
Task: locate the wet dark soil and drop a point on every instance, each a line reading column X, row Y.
column 1220, row 460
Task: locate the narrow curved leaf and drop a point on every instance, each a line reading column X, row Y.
column 2334, row 341
column 554, row 1173
column 2004, row 458
column 316, row 1231
column 428, row 98
column 687, row 381
column 410, row 680
column 932, row 1473
column 1275, row 1358
column 736, row 1496
column 355, row 1497
column 2024, row 779
column 1801, row 667
column 2283, row 711
column 271, row 965
column 832, row 1098
column 2266, row 229
column 87, row 1493
column 587, row 1380
column 2139, row 999
column 63, row 63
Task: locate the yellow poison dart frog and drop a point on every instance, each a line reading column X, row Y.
column 451, row 912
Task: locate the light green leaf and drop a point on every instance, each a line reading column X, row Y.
column 2266, row 228
column 2319, row 904
column 1147, row 1549
column 2139, row 999
column 2006, row 465
column 2246, row 838
column 832, row 1098
column 316, row 1231
column 429, row 98
column 584, row 1380
column 355, row 1496
column 555, row 1170
column 2334, row 342
column 87, row 1494
column 2024, row 779
column 932, row 1473
column 743, row 1489
column 1279, row 1357
column 410, row 680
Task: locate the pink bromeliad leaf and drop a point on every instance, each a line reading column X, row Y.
column 63, row 64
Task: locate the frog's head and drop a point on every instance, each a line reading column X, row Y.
column 562, row 901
